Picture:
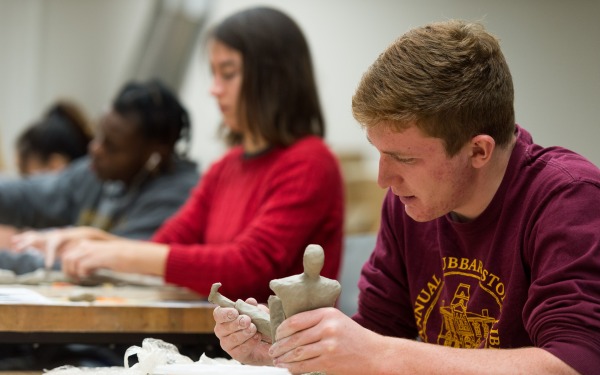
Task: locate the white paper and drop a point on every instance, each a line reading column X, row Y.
column 217, row 366
column 214, row 369
column 21, row 295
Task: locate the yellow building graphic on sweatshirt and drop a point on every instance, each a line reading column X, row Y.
column 444, row 312
column 461, row 328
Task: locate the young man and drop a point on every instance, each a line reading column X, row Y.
column 487, row 239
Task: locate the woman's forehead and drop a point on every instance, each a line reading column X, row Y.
column 223, row 55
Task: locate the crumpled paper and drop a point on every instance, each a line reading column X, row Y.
column 154, row 353
column 218, row 366
column 151, row 354
column 159, row 357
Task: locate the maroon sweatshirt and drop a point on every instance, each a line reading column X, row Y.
column 526, row 272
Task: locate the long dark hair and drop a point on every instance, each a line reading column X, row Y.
column 279, row 99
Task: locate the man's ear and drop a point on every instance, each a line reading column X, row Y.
column 482, row 149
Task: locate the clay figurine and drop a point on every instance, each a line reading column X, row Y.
column 306, row 291
column 259, row 317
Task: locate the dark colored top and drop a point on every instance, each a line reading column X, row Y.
column 526, row 272
column 76, row 196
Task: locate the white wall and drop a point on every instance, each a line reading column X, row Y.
column 52, row 49
column 81, row 48
column 20, row 23
column 552, row 47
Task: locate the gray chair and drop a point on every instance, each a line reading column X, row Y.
column 357, row 249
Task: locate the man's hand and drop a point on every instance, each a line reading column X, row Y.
column 239, row 338
column 324, row 340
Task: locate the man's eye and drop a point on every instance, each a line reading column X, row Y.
column 405, row 160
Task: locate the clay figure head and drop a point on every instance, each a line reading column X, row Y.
column 314, row 257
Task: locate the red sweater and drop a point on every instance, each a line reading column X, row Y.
column 250, row 219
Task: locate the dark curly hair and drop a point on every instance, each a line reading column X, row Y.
column 158, row 112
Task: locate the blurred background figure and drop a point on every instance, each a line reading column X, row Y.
column 51, row 143
column 133, row 179
column 278, row 189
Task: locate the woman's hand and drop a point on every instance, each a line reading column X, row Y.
column 87, row 256
column 57, row 240
column 119, row 255
column 54, row 243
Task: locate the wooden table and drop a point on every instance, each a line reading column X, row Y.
column 116, row 315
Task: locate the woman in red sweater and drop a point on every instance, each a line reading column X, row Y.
column 277, row 190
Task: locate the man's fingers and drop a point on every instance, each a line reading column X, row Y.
column 233, row 336
column 303, row 367
column 224, row 314
column 299, row 322
column 293, row 347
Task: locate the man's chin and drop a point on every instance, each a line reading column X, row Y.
column 419, row 216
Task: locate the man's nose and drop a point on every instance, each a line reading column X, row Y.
column 386, row 177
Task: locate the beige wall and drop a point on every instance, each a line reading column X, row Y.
column 81, row 49
column 62, row 48
column 552, row 46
